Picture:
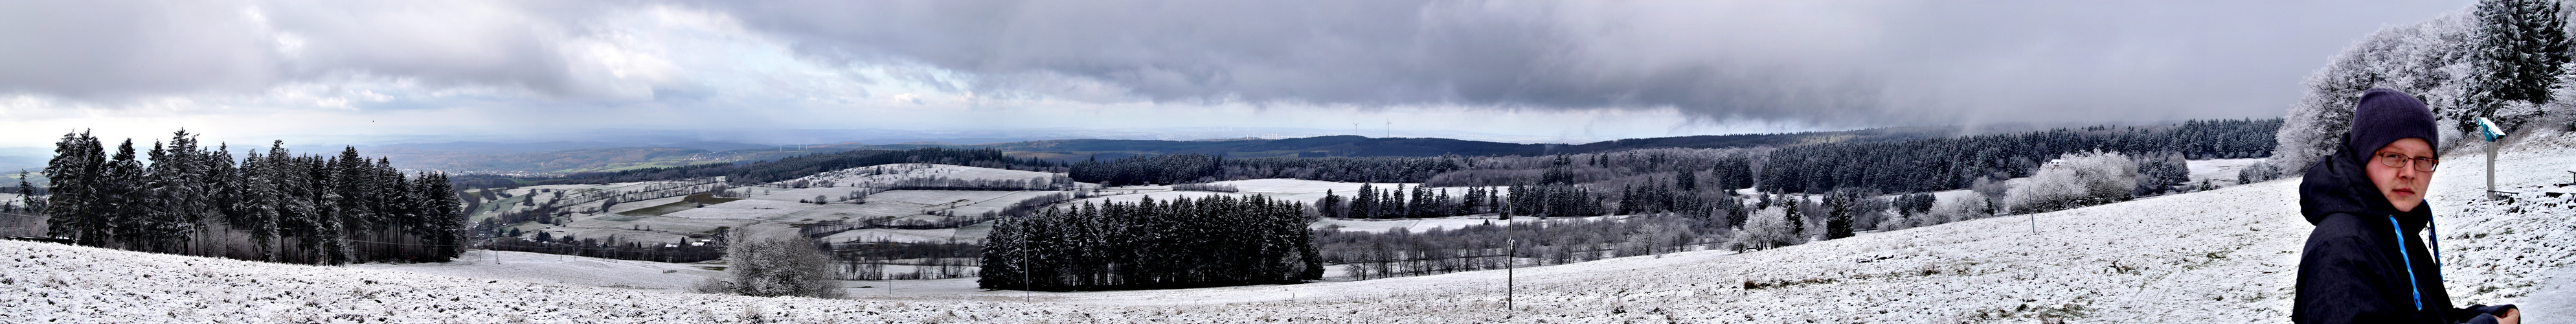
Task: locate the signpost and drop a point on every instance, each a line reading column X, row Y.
column 2488, row 130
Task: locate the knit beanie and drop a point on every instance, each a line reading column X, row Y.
column 2385, row 116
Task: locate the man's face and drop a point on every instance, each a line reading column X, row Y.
column 2402, row 183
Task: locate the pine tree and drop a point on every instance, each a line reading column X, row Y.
column 1795, row 215
column 124, row 198
column 1365, row 207
column 27, row 198
column 1686, row 181
column 2521, row 47
column 1838, row 222
column 72, row 201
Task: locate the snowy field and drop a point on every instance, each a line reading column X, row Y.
column 2226, row 255
column 561, row 270
column 2220, row 172
column 1422, row 224
column 765, row 208
column 892, row 173
column 1306, row 191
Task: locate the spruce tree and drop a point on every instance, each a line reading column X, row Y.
column 72, row 204
column 124, row 199
column 1838, row 222
column 2521, row 47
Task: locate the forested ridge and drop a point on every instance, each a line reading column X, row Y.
column 279, row 207
column 1213, row 241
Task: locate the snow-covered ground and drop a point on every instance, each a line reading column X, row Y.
column 2220, row 172
column 561, row 270
column 2226, row 255
column 892, row 173
column 1422, row 224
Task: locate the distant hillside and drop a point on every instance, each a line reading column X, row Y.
column 527, row 159
column 1359, row 146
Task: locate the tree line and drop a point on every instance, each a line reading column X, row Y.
column 1187, row 168
column 805, row 165
column 1404, row 252
column 1937, row 164
column 278, row 207
column 1213, row 241
column 1913, row 165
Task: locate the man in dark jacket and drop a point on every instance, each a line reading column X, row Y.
column 2365, row 262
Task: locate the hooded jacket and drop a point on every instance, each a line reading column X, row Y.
column 2365, row 262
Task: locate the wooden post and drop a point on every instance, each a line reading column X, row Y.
column 1512, row 248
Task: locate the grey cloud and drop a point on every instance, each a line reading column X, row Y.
column 1823, row 62
column 114, row 49
column 110, row 47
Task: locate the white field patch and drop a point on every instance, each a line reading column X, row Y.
column 562, row 270
column 1446, row 223
column 893, row 173
column 2220, row 172
column 642, row 204
column 943, row 235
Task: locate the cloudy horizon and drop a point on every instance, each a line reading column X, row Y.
column 1525, row 69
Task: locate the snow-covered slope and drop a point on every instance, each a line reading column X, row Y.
column 2226, row 255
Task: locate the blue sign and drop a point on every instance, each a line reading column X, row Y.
column 2488, row 129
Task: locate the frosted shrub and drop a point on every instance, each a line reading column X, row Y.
column 787, row 266
column 1768, row 228
column 2079, row 180
column 1973, row 206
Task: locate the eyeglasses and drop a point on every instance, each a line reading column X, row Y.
column 2425, row 164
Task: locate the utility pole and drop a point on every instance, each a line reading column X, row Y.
column 1512, row 248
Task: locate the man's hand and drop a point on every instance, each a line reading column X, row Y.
column 2511, row 316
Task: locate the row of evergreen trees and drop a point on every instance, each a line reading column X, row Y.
column 184, row 198
column 1214, row 241
column 1950, row 163
column 1916, row 165
column 1186, row 168
column 1145, row 170
column 1371, row 202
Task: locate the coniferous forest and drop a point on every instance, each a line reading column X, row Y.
column 1214, row 241
column 1911, row 165
column 180, row 197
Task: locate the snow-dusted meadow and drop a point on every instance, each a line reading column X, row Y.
column 2226, row 255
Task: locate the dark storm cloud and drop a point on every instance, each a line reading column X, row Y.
column 112, row 49
column 1826, row 62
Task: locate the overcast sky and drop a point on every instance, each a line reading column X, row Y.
column 253, row 70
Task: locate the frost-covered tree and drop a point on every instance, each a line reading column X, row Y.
column 2521, row 49
column 2161, row 172
column 2074, row 181
column 1769, row 228
column 785, row 266
column 1990, row 193
column 2427, row 59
